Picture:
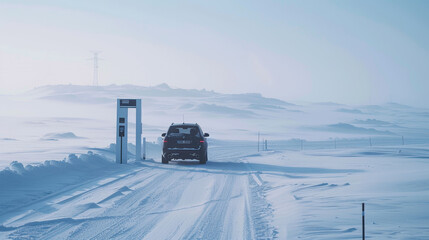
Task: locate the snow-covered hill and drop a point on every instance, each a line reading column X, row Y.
column 28, row 121
column 58, row 178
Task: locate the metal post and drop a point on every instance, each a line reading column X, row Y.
column 258, row 141
column 121, row 152
column 121, row 141
column 138, row 129
column 370, row 143
column 363, row 221
column 144, row 148
column 403, row 143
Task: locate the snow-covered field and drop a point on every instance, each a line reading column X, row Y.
column 58, row 179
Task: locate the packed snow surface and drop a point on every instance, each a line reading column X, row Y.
column 273, row 194
column 58, row 179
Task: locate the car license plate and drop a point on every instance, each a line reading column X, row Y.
column 184, row 142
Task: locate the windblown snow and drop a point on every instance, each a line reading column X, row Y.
column 58, row 179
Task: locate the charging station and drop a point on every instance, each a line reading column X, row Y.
column 122, row 129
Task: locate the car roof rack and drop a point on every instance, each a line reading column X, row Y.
column 184, row 124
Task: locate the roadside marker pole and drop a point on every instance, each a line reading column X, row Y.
column 363, row 221
column 144, row 148
column 258, row 141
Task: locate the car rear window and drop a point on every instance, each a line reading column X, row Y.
column 179, row 131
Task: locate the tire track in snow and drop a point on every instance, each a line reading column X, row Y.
column 78, row 228
column 163, row 200
column 261, row 211
column 136, row 221
column 210, row 223
column 234, row 207
column 40, row 202
column 38, row 209
column 89, row 191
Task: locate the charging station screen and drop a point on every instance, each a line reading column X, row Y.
column 128, row 103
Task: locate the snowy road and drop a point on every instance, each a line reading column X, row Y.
column 237, row 195
column 182, row 200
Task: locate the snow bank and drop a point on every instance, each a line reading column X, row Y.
column 18, row 172
column 21, row 183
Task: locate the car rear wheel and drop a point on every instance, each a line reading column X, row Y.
column 204, row 159
column 164, row 160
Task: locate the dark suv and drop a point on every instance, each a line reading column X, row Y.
column 184, row 141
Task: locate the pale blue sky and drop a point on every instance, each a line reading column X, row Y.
column 356, row 52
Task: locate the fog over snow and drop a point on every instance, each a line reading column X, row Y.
column 313, row 108
column 59, row 180
column 84, row 116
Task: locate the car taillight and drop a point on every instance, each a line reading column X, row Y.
column 201, row 141
column 165, row 141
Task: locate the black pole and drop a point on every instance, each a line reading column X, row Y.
column 258, row 141
column 121, row 150
column 363, row 221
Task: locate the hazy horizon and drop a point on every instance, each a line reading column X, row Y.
column 207, row 90
column 333, row 51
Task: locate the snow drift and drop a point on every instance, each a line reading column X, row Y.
column 21, row 183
